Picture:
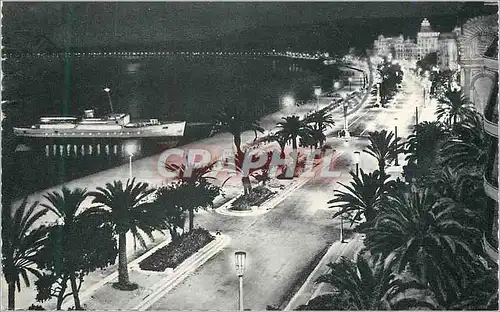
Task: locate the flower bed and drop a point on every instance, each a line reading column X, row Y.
column 174, row 254
column 256, row 197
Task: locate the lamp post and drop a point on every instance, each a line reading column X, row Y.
column 107, row 90
column 357, row 157
column 396, row 161
column 379, row 100
column 350, row 81
column 416, row 115
column 346, row 127
column 131, row 148
column 317, row 92
column 240, row 258
column 60, row 229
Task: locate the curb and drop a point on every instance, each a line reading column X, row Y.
column 271, row 202
column 134, row 265
column 322, row 263
column 182, row 271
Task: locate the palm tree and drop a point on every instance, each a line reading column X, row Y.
column 371, row 286
column 480, row 293
column 169, row 198
column 281, row 138
column 80, row 244
column 20, row 245
column 469, row 145
column 454, row 107
column 196, row 177
column 236, row 121
column 421, row 232
column 384, row 147
column 291, row 128
column 362, row 197
column 70, row 252
column 127, row 208
column 424, row 143
column 65, row 206
column 321, row 120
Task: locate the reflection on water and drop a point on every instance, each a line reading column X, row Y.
column 170, row 89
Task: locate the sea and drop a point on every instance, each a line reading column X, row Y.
column 175, row 88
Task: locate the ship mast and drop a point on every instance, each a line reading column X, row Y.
column 107, row 90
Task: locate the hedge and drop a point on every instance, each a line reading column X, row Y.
column 174, row 254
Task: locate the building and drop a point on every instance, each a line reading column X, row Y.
column 448, row 51
column 477, row 67
column 383, row 46
column 400, row 48
column 478, row 51
column 427, row 40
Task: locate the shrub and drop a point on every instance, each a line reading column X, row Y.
column 36, row 307
column 174, row 254
column 256, row 197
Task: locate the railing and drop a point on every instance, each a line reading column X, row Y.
column 490, row 190
column 491, row 251
column 490, row 127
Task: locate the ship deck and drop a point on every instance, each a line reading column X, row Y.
column 164, row 130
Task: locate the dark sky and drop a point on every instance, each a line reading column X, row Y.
column 132, row 22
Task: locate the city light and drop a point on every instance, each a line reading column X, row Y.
column 317, row 91
column 288, row 101
column 131, row 148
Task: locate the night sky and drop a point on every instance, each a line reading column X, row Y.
column 141, row 23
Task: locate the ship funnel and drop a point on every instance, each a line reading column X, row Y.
column 89, row 113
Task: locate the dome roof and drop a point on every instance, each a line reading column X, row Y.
column 425, row 26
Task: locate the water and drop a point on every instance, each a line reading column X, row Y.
column 190, row 89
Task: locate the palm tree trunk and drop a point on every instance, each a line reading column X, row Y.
column 294, row 143
column 60, row 296
column 247, row 184
column 123, row 278
column 12, row 296
column 381, row 167
column 191, row 219
column 173, row 233
column 74, row 290
column 237, row 143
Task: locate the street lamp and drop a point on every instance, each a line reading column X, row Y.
column 396, row 162
column 346, row 127
column 317, row 92
column 287, row 101
column 379, row 99
column 107, row 90
column 130, row 148
column 240, row 258
column 350, row 81
column 357, row 158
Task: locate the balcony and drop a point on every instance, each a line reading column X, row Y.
column 491, row 171
column 491, row 111
column 491, row 251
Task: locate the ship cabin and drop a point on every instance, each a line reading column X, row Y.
column 57, row 122
column 111, row 122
